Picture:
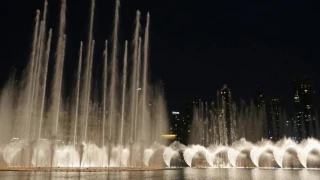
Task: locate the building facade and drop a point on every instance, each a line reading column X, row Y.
column 275, row 120
column 226, row 116
column 304, row 107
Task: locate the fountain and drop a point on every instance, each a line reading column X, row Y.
column 91, row 127
column 119, row 124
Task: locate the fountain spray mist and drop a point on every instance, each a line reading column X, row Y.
column 89, row 90
column 57, row 82
column 88, row 70
column 58, row 124
column 136, row 120
column 113, row 87
column 124, row 82
column 134, row 74
column 30, row 75
column 44, row 83
column 77, row 93
column 145, row 92
column 105, row 84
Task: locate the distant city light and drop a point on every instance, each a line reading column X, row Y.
column 174, row 112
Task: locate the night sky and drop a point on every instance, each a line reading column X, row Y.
column 195, row 46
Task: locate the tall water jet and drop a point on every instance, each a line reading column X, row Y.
column 88, row 70
column 134, row 75
column 37, row 73
column 57, row 82
column 59, row 124
column 105, row 82
column 43, row 54
column 133, row 85
column 44, row 82
column 104, row 99
column 145, row 91
column 30, row 75
column 124, row 82
column 113, row 87
column 44, row 51
column 136, row 120
column 77, row 94
column 88, row 90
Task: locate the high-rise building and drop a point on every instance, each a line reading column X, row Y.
column 179, row 127
column 304, row 106
column 187, row 115
column 226, row 116
column 260, row 114
column 258, row 98
column 275, row 128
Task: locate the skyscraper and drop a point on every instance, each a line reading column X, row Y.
column 187, row 115
column 179, row 127
column 275, row 121
column 260, row 114
column 226, row 116
column 304, row 106
column 258, row 97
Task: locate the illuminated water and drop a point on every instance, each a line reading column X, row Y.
column 98, row 120
column 186, row 173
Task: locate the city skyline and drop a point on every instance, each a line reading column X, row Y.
column 224, row 119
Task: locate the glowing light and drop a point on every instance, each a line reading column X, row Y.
column 169, row 136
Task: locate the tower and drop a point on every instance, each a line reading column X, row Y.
column 275, row 128
column 304, row 106
column 258, row 97
column 260, row 123
column 226, row 119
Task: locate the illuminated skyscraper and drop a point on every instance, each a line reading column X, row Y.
column 258, row 97
column 226, row 116
column 304, row 106
column 275, row 122
column 260, row 113
column 179, row 126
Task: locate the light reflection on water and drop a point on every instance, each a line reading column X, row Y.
column 176, row 174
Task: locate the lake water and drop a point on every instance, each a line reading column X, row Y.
column 176, row 174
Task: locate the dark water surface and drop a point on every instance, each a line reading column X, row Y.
column 186, row 173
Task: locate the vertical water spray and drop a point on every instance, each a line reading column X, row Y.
column 145, row 91
column 124, row 82
column 87, row 82
column 57, row 82
column 35, row 84
column 89, row 90
column 134, row 75
column 104, row 108
column 105, row 82
column 46, row 54
column 43, row 120
column 30, row 75
column 44, row 82
column 77, row 93
column 113, row 86
column 137, row 90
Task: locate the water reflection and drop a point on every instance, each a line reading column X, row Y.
column 171, row 174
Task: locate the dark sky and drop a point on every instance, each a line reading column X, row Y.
column 196, row 46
